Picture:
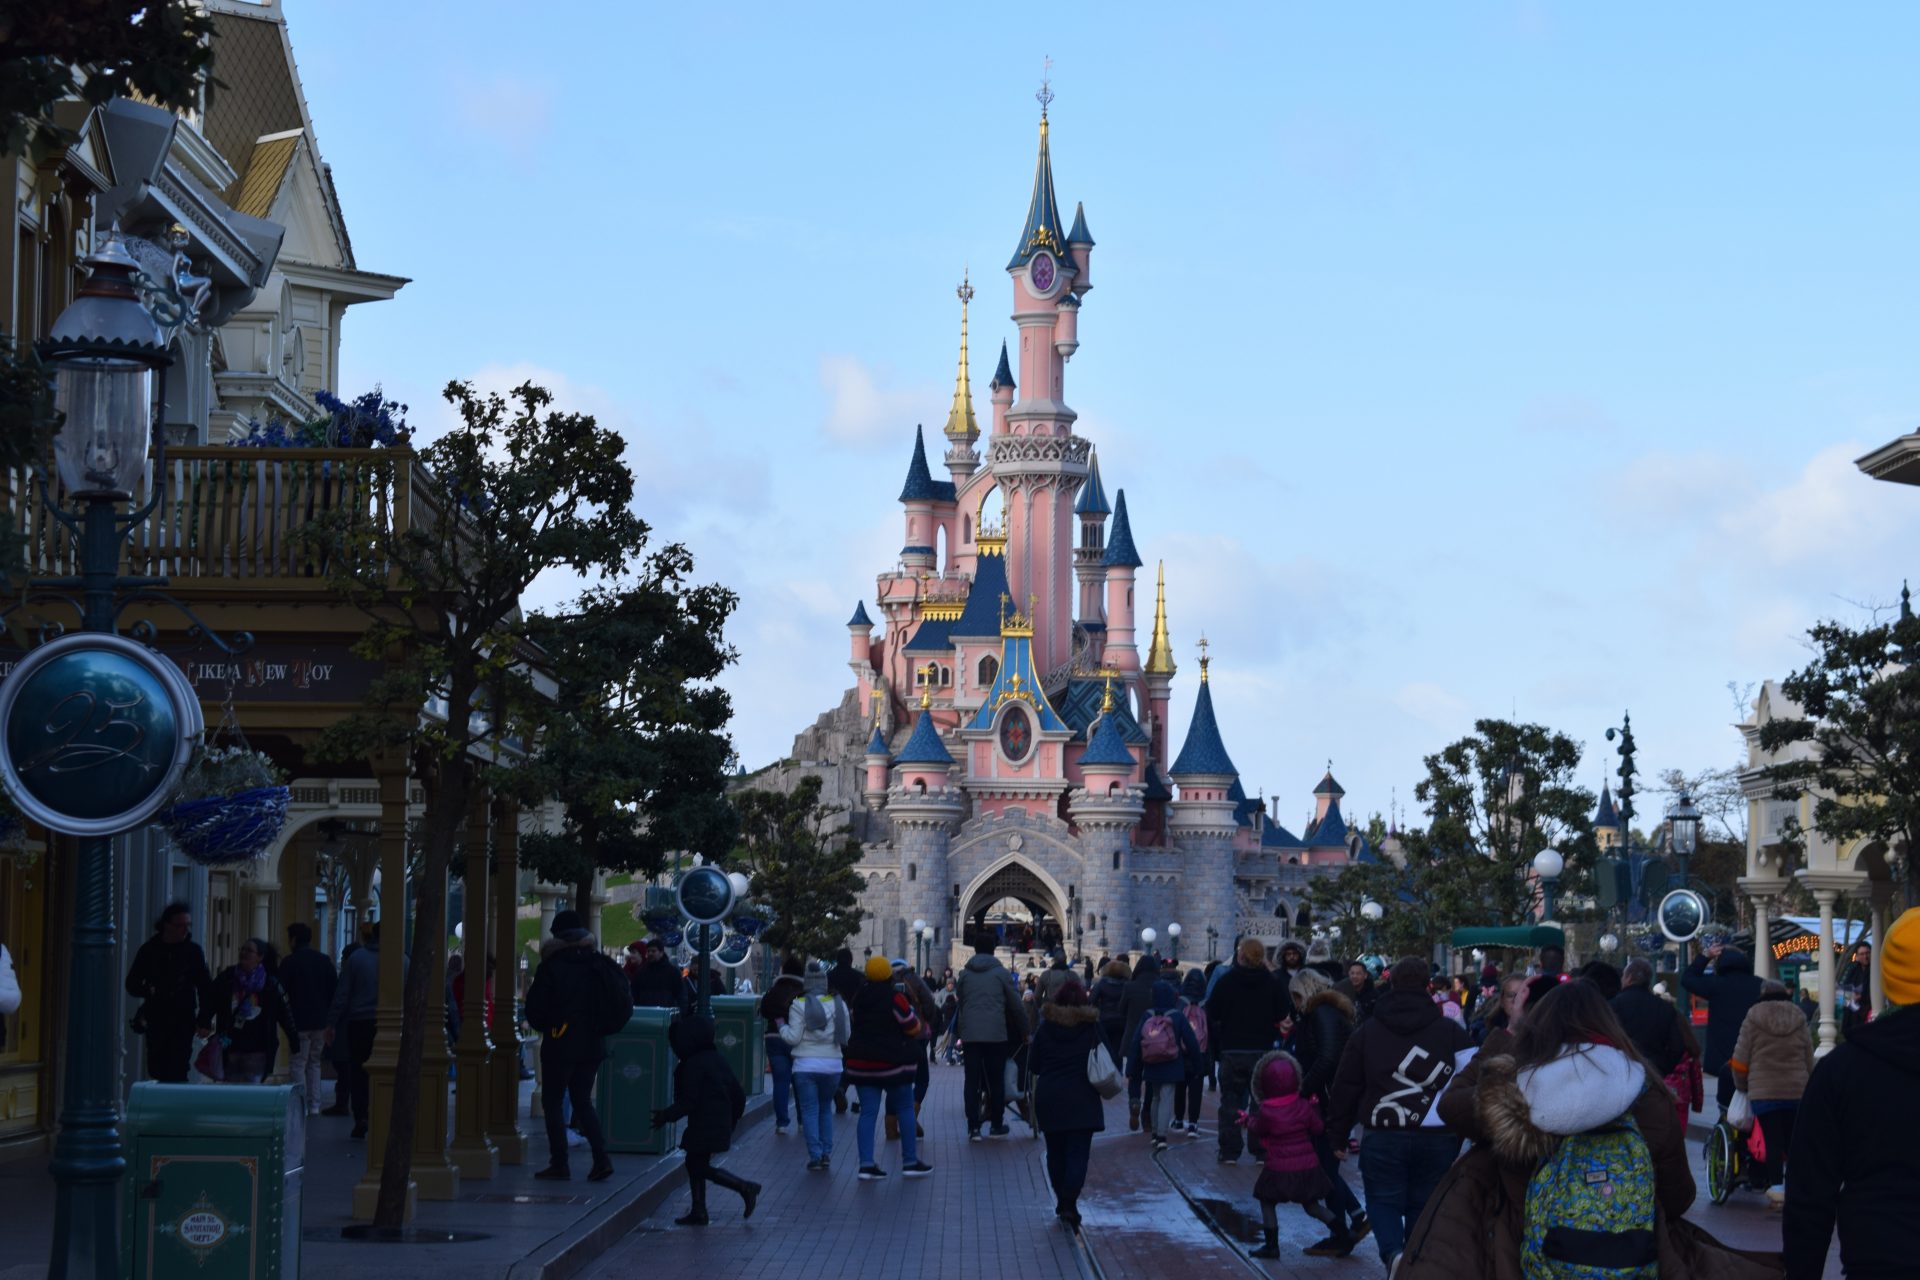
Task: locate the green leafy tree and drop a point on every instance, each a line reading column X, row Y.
column 1861, row 702
column 515, row 490
column 799, row 869
column 1405, row 927
column 1495, row 799
column 95, row 50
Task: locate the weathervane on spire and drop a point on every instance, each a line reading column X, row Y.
column 1045, row 95
column 965, row 291
column 1204, row 660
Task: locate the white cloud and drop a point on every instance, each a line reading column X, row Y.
column 862, row 410
column 1830, row 509
column 505, row 108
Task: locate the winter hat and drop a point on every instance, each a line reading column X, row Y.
column 1277, row 1075
column 879, row 969
column 568, row 925
column 1900, row 960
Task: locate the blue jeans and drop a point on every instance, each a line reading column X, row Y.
column 781, row 1064
column 814, row 1090
column 1399, row 1168
column 899, row 1099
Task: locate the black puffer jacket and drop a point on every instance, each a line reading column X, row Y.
column 705, row 1093
column 1396, row 1063
column 1136, row 998
column 171, row 980
column 1063, row 1100
column 1729, row 991
column 1652, row 1024
column 1319, row 1038
column 1109, row 997
column 659, row 986
column 1245, row 1009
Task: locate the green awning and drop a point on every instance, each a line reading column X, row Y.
column 1536, row 935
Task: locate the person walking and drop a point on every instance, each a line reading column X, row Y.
column 1856, row 989
column 567, row 1005
column 170, row 980
column 928, row 1009
column 1067, row 1108
column 1246, row 1010
column 1359, row 987
column 1161, row 1054
column 656, row 982
column 1321, row 1030
column 339, row 1044
column 1285, row 1124
column 309, row 978
column 990, row 1017
column 1772, row 1060
column 1503, row 1015
column 708, row 1096
column 1186, row 1098
column 845, row 981
column 1855, row 1158
column 1136, row 1002
column 1108, row 994
column 775, row 1007
column 248, row 1005
column 880, row 1062
column 1730, row 990
column 1652, row 1025
column 1552, row 964
column 1393, row 1067
column 356, row 1002
column 816, row 1030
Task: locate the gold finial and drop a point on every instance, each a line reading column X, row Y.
column 1106, row 697
column 1204, row 660
column 1046, row 88
column 960, row 420
column 876, row 695
column 1160, row 651
column 926, row 674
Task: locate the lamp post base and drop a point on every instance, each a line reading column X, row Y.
column 88, row 1163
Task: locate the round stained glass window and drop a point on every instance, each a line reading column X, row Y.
column 1016, row 733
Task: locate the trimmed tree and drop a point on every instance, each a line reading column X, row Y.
column 800, row 870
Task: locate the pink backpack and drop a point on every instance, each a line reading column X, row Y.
column 1197, row 1019
column 1159, row 1042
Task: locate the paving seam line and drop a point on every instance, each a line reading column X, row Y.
column 572, row 1250
column 1201, row 1211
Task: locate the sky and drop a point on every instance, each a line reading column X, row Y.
column 1459, row 361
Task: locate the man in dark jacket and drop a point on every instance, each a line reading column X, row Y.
column 563, row 1006
column 308, row 978
column 1855, row 1158
column 708, row 1096
column 845, row 982
column 356, row 1003
column 1729, row 991
column 1553, row 964
column 1650, row 1022
column 989, row 1020
column 657, row 983
column 1394, row 1066
column 1244, row 1014
column 170, row 980
column 1136, row 1001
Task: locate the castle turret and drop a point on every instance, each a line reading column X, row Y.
column 1001, row 391
column 925, row 808
column 1159, row 670
column 1203, row 820
column 876, row 792
column 919, row 495
column 1327, row 795
column 1606, row 823
column 961, row 429
column 1106, row 809
column 860, row 639
column 1090, row 557
column 1120, row 560
column 1080, row 245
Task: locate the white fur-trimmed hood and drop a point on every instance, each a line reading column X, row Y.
column 1581, row 1088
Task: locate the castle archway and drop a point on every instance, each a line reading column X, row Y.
column 1014, row 879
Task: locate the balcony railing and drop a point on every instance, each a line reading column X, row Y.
column 233, row 516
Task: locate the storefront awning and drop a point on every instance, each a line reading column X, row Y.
column 1523, row 936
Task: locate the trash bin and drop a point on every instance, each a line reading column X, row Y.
column 213, row 1181
column 635, row 1079
column 741, row 1039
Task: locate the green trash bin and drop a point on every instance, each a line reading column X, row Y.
column 213, row 1181
column 635, row 1079
column 738, row 1032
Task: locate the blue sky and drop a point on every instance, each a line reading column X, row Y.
column 1458, row 360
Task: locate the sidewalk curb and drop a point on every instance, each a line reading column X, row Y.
column 570, row 1252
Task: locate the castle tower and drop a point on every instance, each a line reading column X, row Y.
column 925, row 808
column 1606, row 824
column 1090, row 557
column 1000, row 390
column 876, row 793
column 1160, row 668
column 1202, row 819
column 1106, row 809
column 1327, row 796
column 1037, row 460
column 920, row 496
column 961, row 429
column 1119, row 559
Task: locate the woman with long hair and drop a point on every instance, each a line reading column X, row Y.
column 774, row 1007
column 1067, row 1108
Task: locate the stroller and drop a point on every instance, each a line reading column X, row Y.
column 1020, row 1088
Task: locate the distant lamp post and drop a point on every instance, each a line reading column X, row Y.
column 1609, row 943
column 1548, row 864
column 1371, row 911
column 1147, row 938
column 1213, row 943
column 919, row 931
column 1173, row 932
column 1684, row 820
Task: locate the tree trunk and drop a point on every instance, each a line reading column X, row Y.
column 583, row 895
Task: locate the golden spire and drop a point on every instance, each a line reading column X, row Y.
column 1160, row 652
column 926, row 674
column 1203, row 658
column 960, row 422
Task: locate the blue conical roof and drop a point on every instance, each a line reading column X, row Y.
column 1079, row 234
column 981, row 617
column 877, row 744
column 1043, row 229
column 1109, row 745
column 1120, row 552
column 1329, row 831
column 1093, row 497
column 1605, row 816
column 860, row 618
column 1203, row 752
column 924, row 747
column 919, row 486
column 1003, row 376
column 1328, row 787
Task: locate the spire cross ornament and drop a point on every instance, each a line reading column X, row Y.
column 1204, row 660
column 1045, row 96
column 965, row 292
column 926, row 675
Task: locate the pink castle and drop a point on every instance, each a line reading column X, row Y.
column 1006, row 739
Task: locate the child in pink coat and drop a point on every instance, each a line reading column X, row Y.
column 1284, row 1124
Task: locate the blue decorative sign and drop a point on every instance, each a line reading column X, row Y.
column 706, row 895
column 94, row 732
column 1682, row 914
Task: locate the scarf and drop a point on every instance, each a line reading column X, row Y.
column 246, row 993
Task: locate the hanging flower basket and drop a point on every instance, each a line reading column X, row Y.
column 230, row 807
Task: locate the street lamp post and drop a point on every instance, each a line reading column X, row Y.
column 1684, row 819
column 1173, row 932
column 920, row 932
column 1213, row 943
column 1548, row 864
column 1147, row 939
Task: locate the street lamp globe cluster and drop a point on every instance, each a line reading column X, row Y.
column 1548, row 864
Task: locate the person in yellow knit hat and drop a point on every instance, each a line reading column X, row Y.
column 1855, row 1161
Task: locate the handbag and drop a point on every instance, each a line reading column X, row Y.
column 211, row 1061
column 1740, row 1111
column 1102, row 1074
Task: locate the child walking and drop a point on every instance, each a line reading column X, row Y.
column 1284, row 1124
column 711, row 1100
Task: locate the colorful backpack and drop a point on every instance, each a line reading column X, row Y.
column 1589, row 1213
column 1159, row 1042
column 1197, row 1019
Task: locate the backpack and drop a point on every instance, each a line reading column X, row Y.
column 1158, row 1040
column 1589, row 1211
column 1197, row 1019
column 611, row 1006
